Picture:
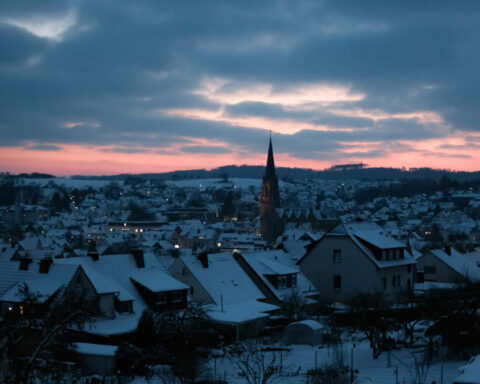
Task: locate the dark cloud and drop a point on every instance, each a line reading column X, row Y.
column 205, row 149
column 121, row 61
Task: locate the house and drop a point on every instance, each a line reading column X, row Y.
column 39, row 279
column 446, row 266
column 138, row 281
column 277, row 276
column 226, row 292
column 357, row 257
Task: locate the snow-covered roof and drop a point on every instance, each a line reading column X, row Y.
column 95, row 349
column 260, row 263
column 458, row 262
column 10, row 275
column 223, row 277
column 349, row 231
column 373, row 234
column 42, row 289
column 157, row 280
column 118, row 268
column 240, row 312
column 312, row 324
column 276, row 268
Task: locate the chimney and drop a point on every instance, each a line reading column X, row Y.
column 448, row 250
column 203, row 258
column 45, row 265
column 93, row 255
column 138, row 256
column 24, row 263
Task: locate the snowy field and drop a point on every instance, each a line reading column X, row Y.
column 205, row 183
column 233, row 182
column 302, row 358
column 69, row 183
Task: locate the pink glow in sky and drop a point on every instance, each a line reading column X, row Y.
column 91, row 160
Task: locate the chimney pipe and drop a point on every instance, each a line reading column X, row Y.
column 448, row 250
column 45, row 265
column 203, row 258
column 93, row 255
column 24, row 263
column 139, row 258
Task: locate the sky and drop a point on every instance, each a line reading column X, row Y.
column 89, row 87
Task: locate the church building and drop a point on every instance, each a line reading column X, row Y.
column 270, row 225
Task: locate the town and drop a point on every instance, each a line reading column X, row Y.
column 237, row 280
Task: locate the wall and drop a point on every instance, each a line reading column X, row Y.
column 181, row 272
column 445, row 274
column 358, row 272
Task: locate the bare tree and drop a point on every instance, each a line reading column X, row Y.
column 256, row 365
column 369, row 313
column 293, row 305
column 37, row 327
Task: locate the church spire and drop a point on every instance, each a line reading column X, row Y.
column 270, row 225
column 270, row 168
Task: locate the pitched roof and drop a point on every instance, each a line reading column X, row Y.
column 157, row 281
column 10, row 275
column 261, row 263
column 459, row 263
column 223, row 277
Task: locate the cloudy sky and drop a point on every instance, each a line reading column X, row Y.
column 103, row 87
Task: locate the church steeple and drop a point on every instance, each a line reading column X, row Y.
column 270, row 225
column 270, row 168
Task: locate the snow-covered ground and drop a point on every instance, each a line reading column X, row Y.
column 301, row 358
column 204, row 183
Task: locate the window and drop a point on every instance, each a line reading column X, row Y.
column 282, row 281
column 384, row 254
column 398, row 281
column 337, row 255
column 430, row 269
column 161, row 298
column 337, row 282
column 398, row 253
column 394, row 281
column 123, row 306
column 293, row 280
column 384, row 283
column 176, row 296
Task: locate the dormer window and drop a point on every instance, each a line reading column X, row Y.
column 125, row 306
column 286, row 281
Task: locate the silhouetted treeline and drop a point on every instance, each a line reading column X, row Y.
column 408, row 188
column 33, row 175
column 339, row 172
